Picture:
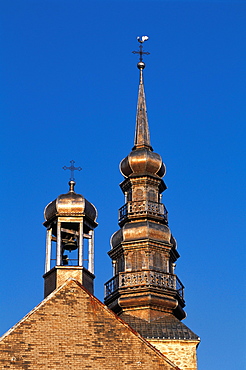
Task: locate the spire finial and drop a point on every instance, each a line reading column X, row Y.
column 141, row 64
column 141, row 52
column 142, row 137
column 72, row 169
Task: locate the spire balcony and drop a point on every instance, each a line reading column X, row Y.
column 144, row 279
column 146, row 208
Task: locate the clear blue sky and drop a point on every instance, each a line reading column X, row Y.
column 68, row 91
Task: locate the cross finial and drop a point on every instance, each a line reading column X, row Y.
column 72, row 169
column 141, row 52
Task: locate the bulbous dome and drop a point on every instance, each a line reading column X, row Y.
column 70, row 204
column 141, row 230
column 142, row 160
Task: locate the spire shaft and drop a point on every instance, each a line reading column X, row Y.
column 142, row 136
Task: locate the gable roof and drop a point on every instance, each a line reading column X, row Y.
column 73, row 329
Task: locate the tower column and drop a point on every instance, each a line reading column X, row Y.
column 58, row 247
column 80, row 250
column 91, row 251
column 48, row 249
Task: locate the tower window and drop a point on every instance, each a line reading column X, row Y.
column 135, row 262
column 139, row 194
column 151, row 195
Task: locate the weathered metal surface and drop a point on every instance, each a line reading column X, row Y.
column 141, row 161
column 70, row 203
column 142, row 208
column 143, row 250
column 143, row 279
column 142, row 230
column 142, row 136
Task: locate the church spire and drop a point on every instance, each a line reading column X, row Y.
column 145, row 290
column 142, row 136
column 143, row 249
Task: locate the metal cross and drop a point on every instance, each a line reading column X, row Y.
column 72, row 169
column 141, row 52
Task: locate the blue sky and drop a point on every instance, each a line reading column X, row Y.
column 68, row 91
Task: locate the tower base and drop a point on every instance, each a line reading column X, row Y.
column 54, row 278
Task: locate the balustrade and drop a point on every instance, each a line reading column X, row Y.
column 140, row 279
column 143, row 207
column 111, row 285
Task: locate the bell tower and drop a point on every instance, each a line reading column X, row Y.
column 145, row 290
column 70, row 221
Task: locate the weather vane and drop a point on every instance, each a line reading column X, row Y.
column 141, row 52
column 72, row 169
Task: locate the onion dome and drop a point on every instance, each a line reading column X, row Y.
column 70, row 204
column 142, row 159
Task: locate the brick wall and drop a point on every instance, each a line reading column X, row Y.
column 71, row 329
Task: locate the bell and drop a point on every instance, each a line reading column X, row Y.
column 70, row 245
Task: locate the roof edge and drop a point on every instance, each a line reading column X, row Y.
column 103, row 306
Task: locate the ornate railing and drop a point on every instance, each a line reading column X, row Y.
column 142, row 207
column 111, row 285
column 144, row 279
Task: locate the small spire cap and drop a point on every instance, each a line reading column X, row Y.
column 71, row 185
column 141, row 65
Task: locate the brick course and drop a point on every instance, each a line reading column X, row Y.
column 71, row 329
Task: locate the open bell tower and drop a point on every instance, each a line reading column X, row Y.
column 70, row 221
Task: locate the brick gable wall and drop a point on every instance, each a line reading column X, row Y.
column 71, row 329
